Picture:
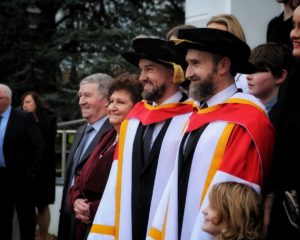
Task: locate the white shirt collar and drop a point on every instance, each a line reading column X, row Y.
column 175, row 98
column 222, row 96
column 6, row 113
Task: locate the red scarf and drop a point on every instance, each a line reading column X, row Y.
column 148, row 114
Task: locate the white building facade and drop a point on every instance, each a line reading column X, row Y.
column 253, row 15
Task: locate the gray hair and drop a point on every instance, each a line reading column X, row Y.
column 102, row 80
column 6, row 89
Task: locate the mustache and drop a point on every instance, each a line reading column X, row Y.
column 147, row 81
column 194, row 78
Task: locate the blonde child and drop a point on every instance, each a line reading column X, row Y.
column 234, row 212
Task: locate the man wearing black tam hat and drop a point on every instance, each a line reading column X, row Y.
column 145, row 163
column 229, row 138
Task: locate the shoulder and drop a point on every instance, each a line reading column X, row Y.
column 46, row 112
column 81, row 128
column 21, row 115
column 106, row 123
column 250, row 99
column 277, row 19
column 18, row 112
column 110, row 134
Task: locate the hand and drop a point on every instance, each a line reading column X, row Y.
column 82, row 210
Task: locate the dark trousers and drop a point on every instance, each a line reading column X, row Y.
column 64, row 226
column 18, row 194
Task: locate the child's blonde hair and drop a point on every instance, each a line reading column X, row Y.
column 239, row 207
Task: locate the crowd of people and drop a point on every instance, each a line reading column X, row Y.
column 201, row 144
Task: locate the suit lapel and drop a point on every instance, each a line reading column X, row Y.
column 104, row 128
column 74, row 146
column 10, row 123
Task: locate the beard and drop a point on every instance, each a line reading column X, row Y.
column 202, row 89
column 156, row 93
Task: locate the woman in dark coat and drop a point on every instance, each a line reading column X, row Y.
column 285, row 213
column 45, row 184
column 89, row 186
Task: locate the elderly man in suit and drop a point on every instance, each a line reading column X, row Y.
column 93, row 103
column 21, row 148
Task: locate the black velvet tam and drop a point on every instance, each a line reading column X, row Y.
column 218, row 42
column 155, row 50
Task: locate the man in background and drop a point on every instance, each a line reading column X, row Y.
column 21, row 149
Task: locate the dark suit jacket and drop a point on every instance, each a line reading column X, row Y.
column 22, row 149
column 22, row 146
column 91, row 181
column 65, row 216
column 285, row 166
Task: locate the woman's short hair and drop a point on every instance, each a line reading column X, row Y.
column 129, row 82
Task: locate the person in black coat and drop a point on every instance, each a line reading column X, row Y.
column 279, row 27
column 21, row 149
column 285, row 216
column 45, row 188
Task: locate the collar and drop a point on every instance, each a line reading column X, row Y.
column 175, row 98
column 222, row 96
column 271, row 103
column 97, row 125
column 7, row 112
